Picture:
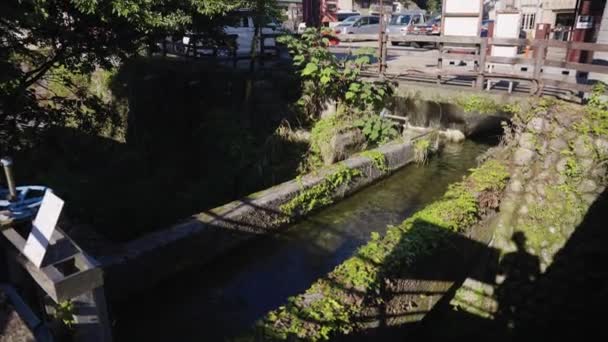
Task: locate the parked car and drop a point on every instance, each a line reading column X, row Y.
column 406, row 23
column 341, row 16
column 358, row 25
column 243, row 27
column 434, row 26
column 240, row 24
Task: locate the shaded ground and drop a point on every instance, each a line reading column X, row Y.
column 567, row 302
column 12, row 327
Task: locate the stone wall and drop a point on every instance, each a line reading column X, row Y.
column 558, row 170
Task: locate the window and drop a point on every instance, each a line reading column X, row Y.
column 363, row 21
column 528, row 21
column 417, row 20
column 374, row 20
column 400, row 20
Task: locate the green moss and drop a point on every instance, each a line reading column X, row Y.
column 596, row 118
column 320, row 137
column 329, row 306
column 492, row 176
column 321, row 194
column 422, row 149
column 377, row 158
column 478, row 104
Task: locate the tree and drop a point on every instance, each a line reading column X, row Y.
column 78, row 35
column 433, row 6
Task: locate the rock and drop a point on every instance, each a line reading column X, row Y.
column 558, row 131
column 542, row 148
column 558, row 144
column 342, row 146
column 602, row 146
column 453, row 135
column 561, row 179
column 564, row 119
column 570, row 135
column 587, row 186
column 586, row 164
column 527, row 140
column 523, row 210
column 523, row 156
column 561, row 165
column 567, row 230
column 582, row 147
column 589, row 198
column 530, row 199
column 540, row 189
column 599, row 171
column 536, row 125
column 552, row 230
column 516, row 186
column 543, row 176
column 550, row 160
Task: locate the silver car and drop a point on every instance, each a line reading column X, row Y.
column 405, row 23
column 359, row 25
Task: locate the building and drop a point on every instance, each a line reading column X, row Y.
column 373, row 6
column 561, row 15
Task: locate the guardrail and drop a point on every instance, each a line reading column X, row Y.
column 476, row 49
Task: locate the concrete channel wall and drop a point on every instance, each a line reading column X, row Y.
column 144, row 262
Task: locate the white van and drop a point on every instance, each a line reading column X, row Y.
column 244, row 28
column 241, row 25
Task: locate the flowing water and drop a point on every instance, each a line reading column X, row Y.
column 224, row 299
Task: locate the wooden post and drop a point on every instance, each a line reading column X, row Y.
column 540, row 45
column 381, row 51
column 482, row 63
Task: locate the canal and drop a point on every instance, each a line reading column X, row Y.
column 219, row 301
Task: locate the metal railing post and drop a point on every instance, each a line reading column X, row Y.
column 7, row 164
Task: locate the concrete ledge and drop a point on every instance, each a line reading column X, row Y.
column 141, row 263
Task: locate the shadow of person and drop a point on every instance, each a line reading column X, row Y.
column 517, row 273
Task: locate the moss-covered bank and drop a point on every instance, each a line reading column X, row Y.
column 557, row 156
column 337, row 303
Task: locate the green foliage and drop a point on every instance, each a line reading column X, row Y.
column 64, row 312
column 330, row 306
column 433, row 6
column 327, row 78
column 422, row 149
column 320, row 136
column 321, row 194
column 478, row 104
column 377, row 130
column 40, row 38
column 377, row 158
column 596, row 120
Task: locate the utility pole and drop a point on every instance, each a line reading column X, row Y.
column 382, row 42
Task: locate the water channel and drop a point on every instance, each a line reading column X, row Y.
column 221, row 300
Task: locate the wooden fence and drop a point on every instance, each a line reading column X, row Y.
column 476, row 49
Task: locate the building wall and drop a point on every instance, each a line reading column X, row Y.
column 345, row 5
column 601, row 57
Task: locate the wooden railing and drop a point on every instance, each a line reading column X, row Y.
column 476, row 49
